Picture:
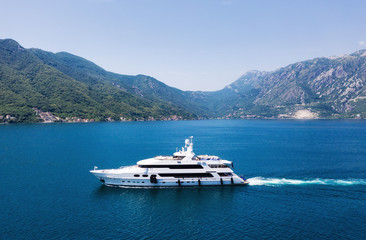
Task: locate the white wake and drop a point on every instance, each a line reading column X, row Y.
column 316, row 181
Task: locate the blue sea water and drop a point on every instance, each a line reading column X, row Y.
column 307, row 181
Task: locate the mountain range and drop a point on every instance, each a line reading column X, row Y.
column 37, row 85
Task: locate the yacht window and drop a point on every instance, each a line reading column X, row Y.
column 185, row 166
column 180, row 166
column 225, row 174
column 136, row 175
column 186, row 175
column 145, row 175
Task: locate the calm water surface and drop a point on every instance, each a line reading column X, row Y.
column 308, row 181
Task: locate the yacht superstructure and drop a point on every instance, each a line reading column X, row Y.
column 182, row 169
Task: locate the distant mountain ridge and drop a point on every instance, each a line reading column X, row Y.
column 37, row 85
column 328, row 87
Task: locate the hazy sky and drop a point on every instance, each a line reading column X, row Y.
column 188, row 44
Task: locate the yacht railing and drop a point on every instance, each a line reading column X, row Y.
column 128, row 167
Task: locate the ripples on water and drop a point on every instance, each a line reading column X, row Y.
column 307, row 181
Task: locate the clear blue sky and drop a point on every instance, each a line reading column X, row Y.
column 188, row 44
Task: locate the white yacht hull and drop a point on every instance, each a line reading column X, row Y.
column 119, row 181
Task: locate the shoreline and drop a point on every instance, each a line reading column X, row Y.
column 128, row 121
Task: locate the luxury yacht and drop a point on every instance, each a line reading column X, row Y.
column 182, row 169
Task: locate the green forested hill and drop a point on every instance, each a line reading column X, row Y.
column 32, row 78
column 141, row 85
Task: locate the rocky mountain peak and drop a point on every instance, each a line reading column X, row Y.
column 359, row 53
column 10, row 44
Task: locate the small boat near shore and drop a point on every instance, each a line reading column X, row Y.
column 184, row 168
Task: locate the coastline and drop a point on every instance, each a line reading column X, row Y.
column 77, row 120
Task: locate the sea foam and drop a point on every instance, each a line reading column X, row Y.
column 256, row 181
